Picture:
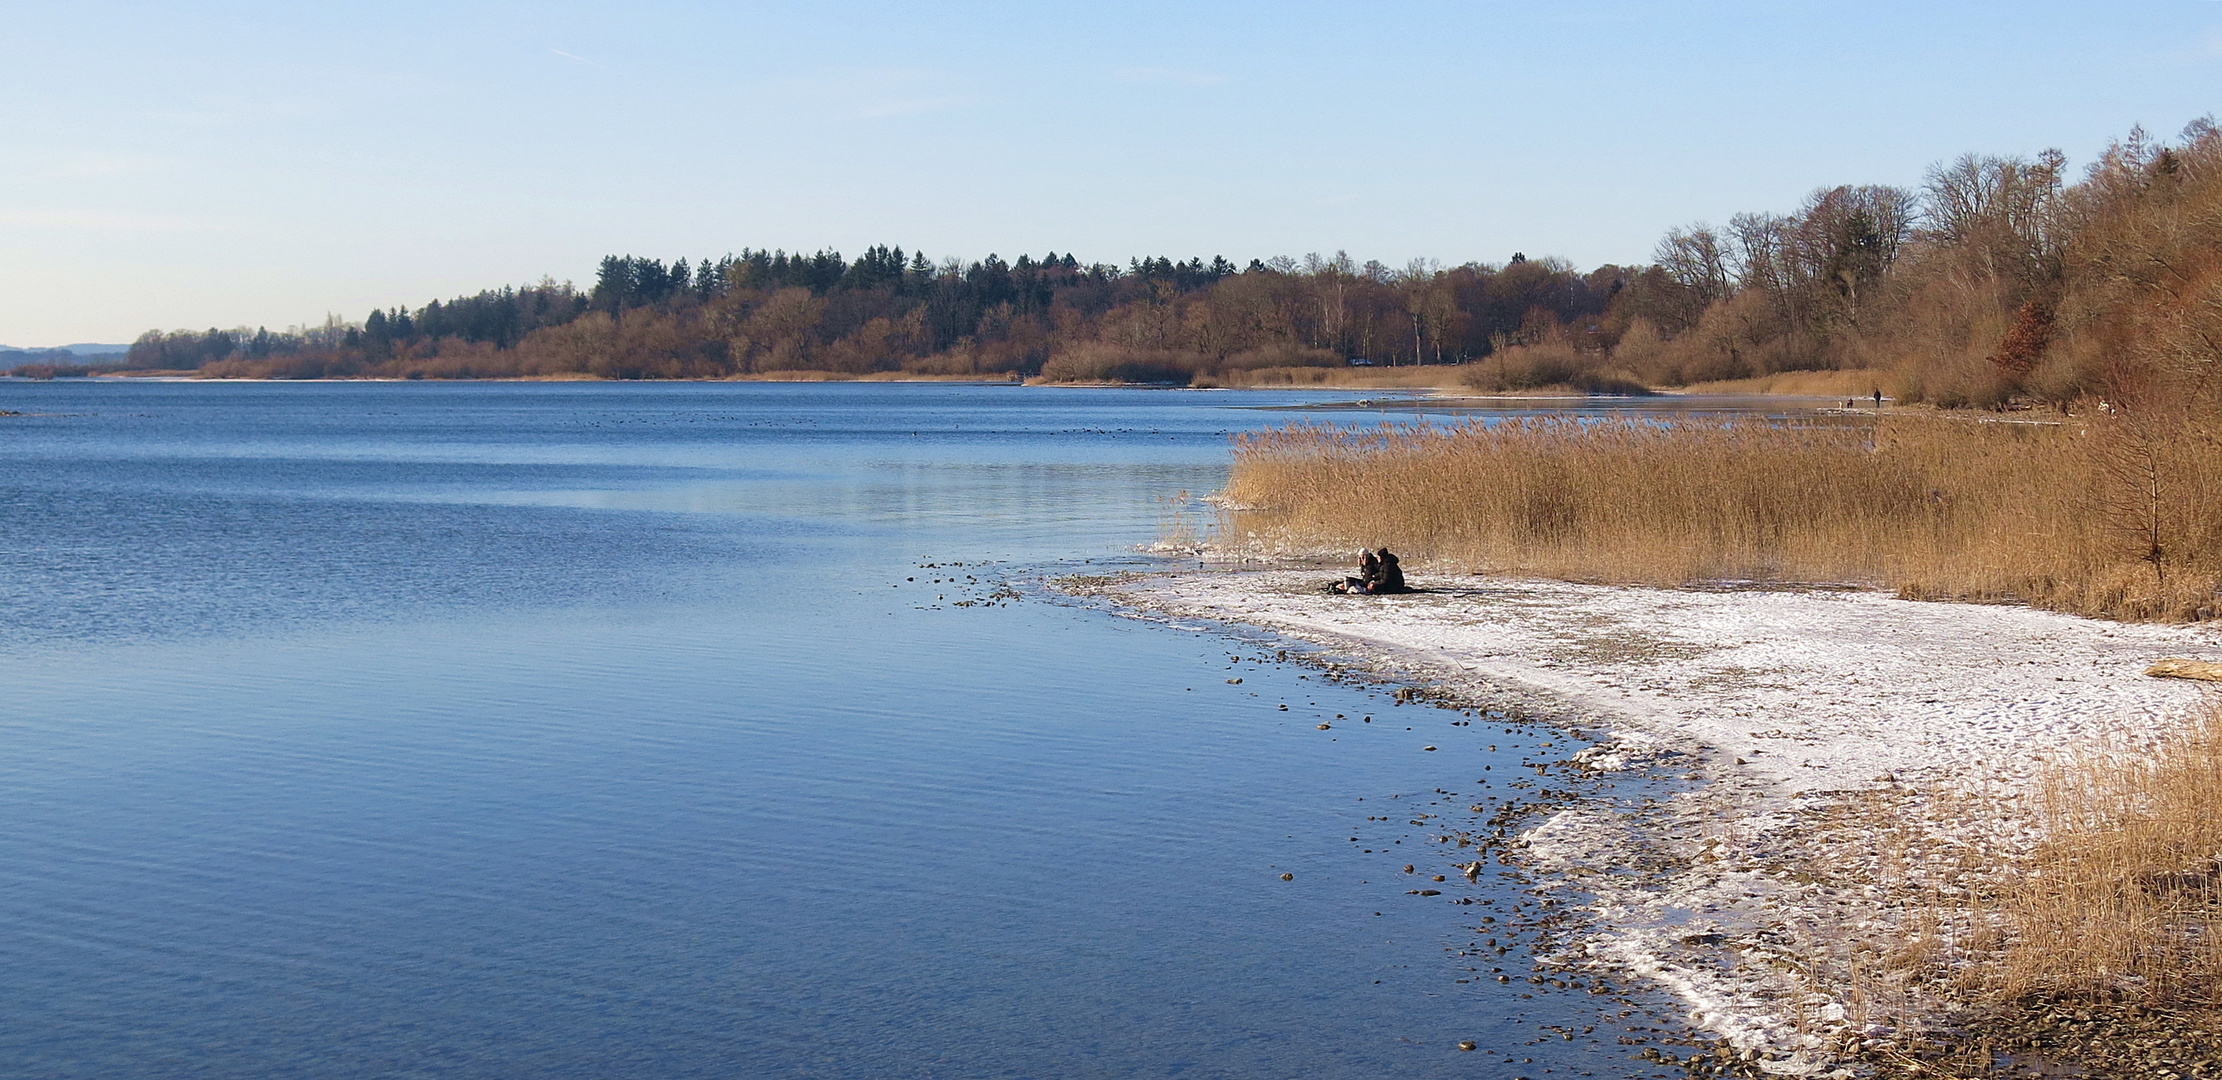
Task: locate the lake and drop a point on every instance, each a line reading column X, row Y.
column 677, row 730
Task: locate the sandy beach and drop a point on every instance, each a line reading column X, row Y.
column 1842, row 748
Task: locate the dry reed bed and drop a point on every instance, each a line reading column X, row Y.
column 2122, row 899
column 2096, row 946
column 2103, row 884
column 1407, row 377
column 2117, row 905
column 2101, row 516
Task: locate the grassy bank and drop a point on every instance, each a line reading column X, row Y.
column 2097, row 947
column 2119, row 903
column 2069, row 921
column 2106, row 515
column 1854, row 383
column 1407, row 377
column 876, row 376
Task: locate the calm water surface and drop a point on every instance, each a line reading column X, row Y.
column 493, row 730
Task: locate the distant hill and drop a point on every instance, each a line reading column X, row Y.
column 79, row 349
column 81, row 359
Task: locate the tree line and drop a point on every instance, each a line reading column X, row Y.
column 1998, row 279
column 890, row 310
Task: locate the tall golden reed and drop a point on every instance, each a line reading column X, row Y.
column 2065, row 515
column 2124, row 898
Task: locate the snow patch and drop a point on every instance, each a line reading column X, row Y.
column 1794, row 703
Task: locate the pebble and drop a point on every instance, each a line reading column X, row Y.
column 1288, row 877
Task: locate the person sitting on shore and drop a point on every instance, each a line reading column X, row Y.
column 1368, row 567
column 1389, row 578
column 1378, row 573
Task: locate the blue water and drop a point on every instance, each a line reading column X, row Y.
column 603, row 730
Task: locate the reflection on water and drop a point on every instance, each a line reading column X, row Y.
column 632, row 730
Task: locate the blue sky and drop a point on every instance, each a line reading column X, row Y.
column 219, row 164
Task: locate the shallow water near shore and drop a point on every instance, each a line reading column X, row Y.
column 698, row 730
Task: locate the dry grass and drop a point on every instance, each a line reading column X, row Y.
column 2122, row 900
column 809, row 375
column 2076, row 919
column 1852, row 383
column 1414, row 377
column 2102, row 517
column 1547, row 365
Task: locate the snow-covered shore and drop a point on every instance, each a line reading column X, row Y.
column 1842, row 737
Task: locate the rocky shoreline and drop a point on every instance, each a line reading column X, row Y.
column 1841, row 749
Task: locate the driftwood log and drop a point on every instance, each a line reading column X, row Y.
column 2173, row 668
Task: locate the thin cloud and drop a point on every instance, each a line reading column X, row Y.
column 99, row 220
column 1169, row 75
column 575, row 56
column 911, row 107
column 233, row 112
column 92, row 166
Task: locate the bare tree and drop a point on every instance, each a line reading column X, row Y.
column 2134, row 439
column 1697, row 259
column 2006, row 211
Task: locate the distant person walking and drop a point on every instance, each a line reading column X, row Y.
column 1878, row 397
